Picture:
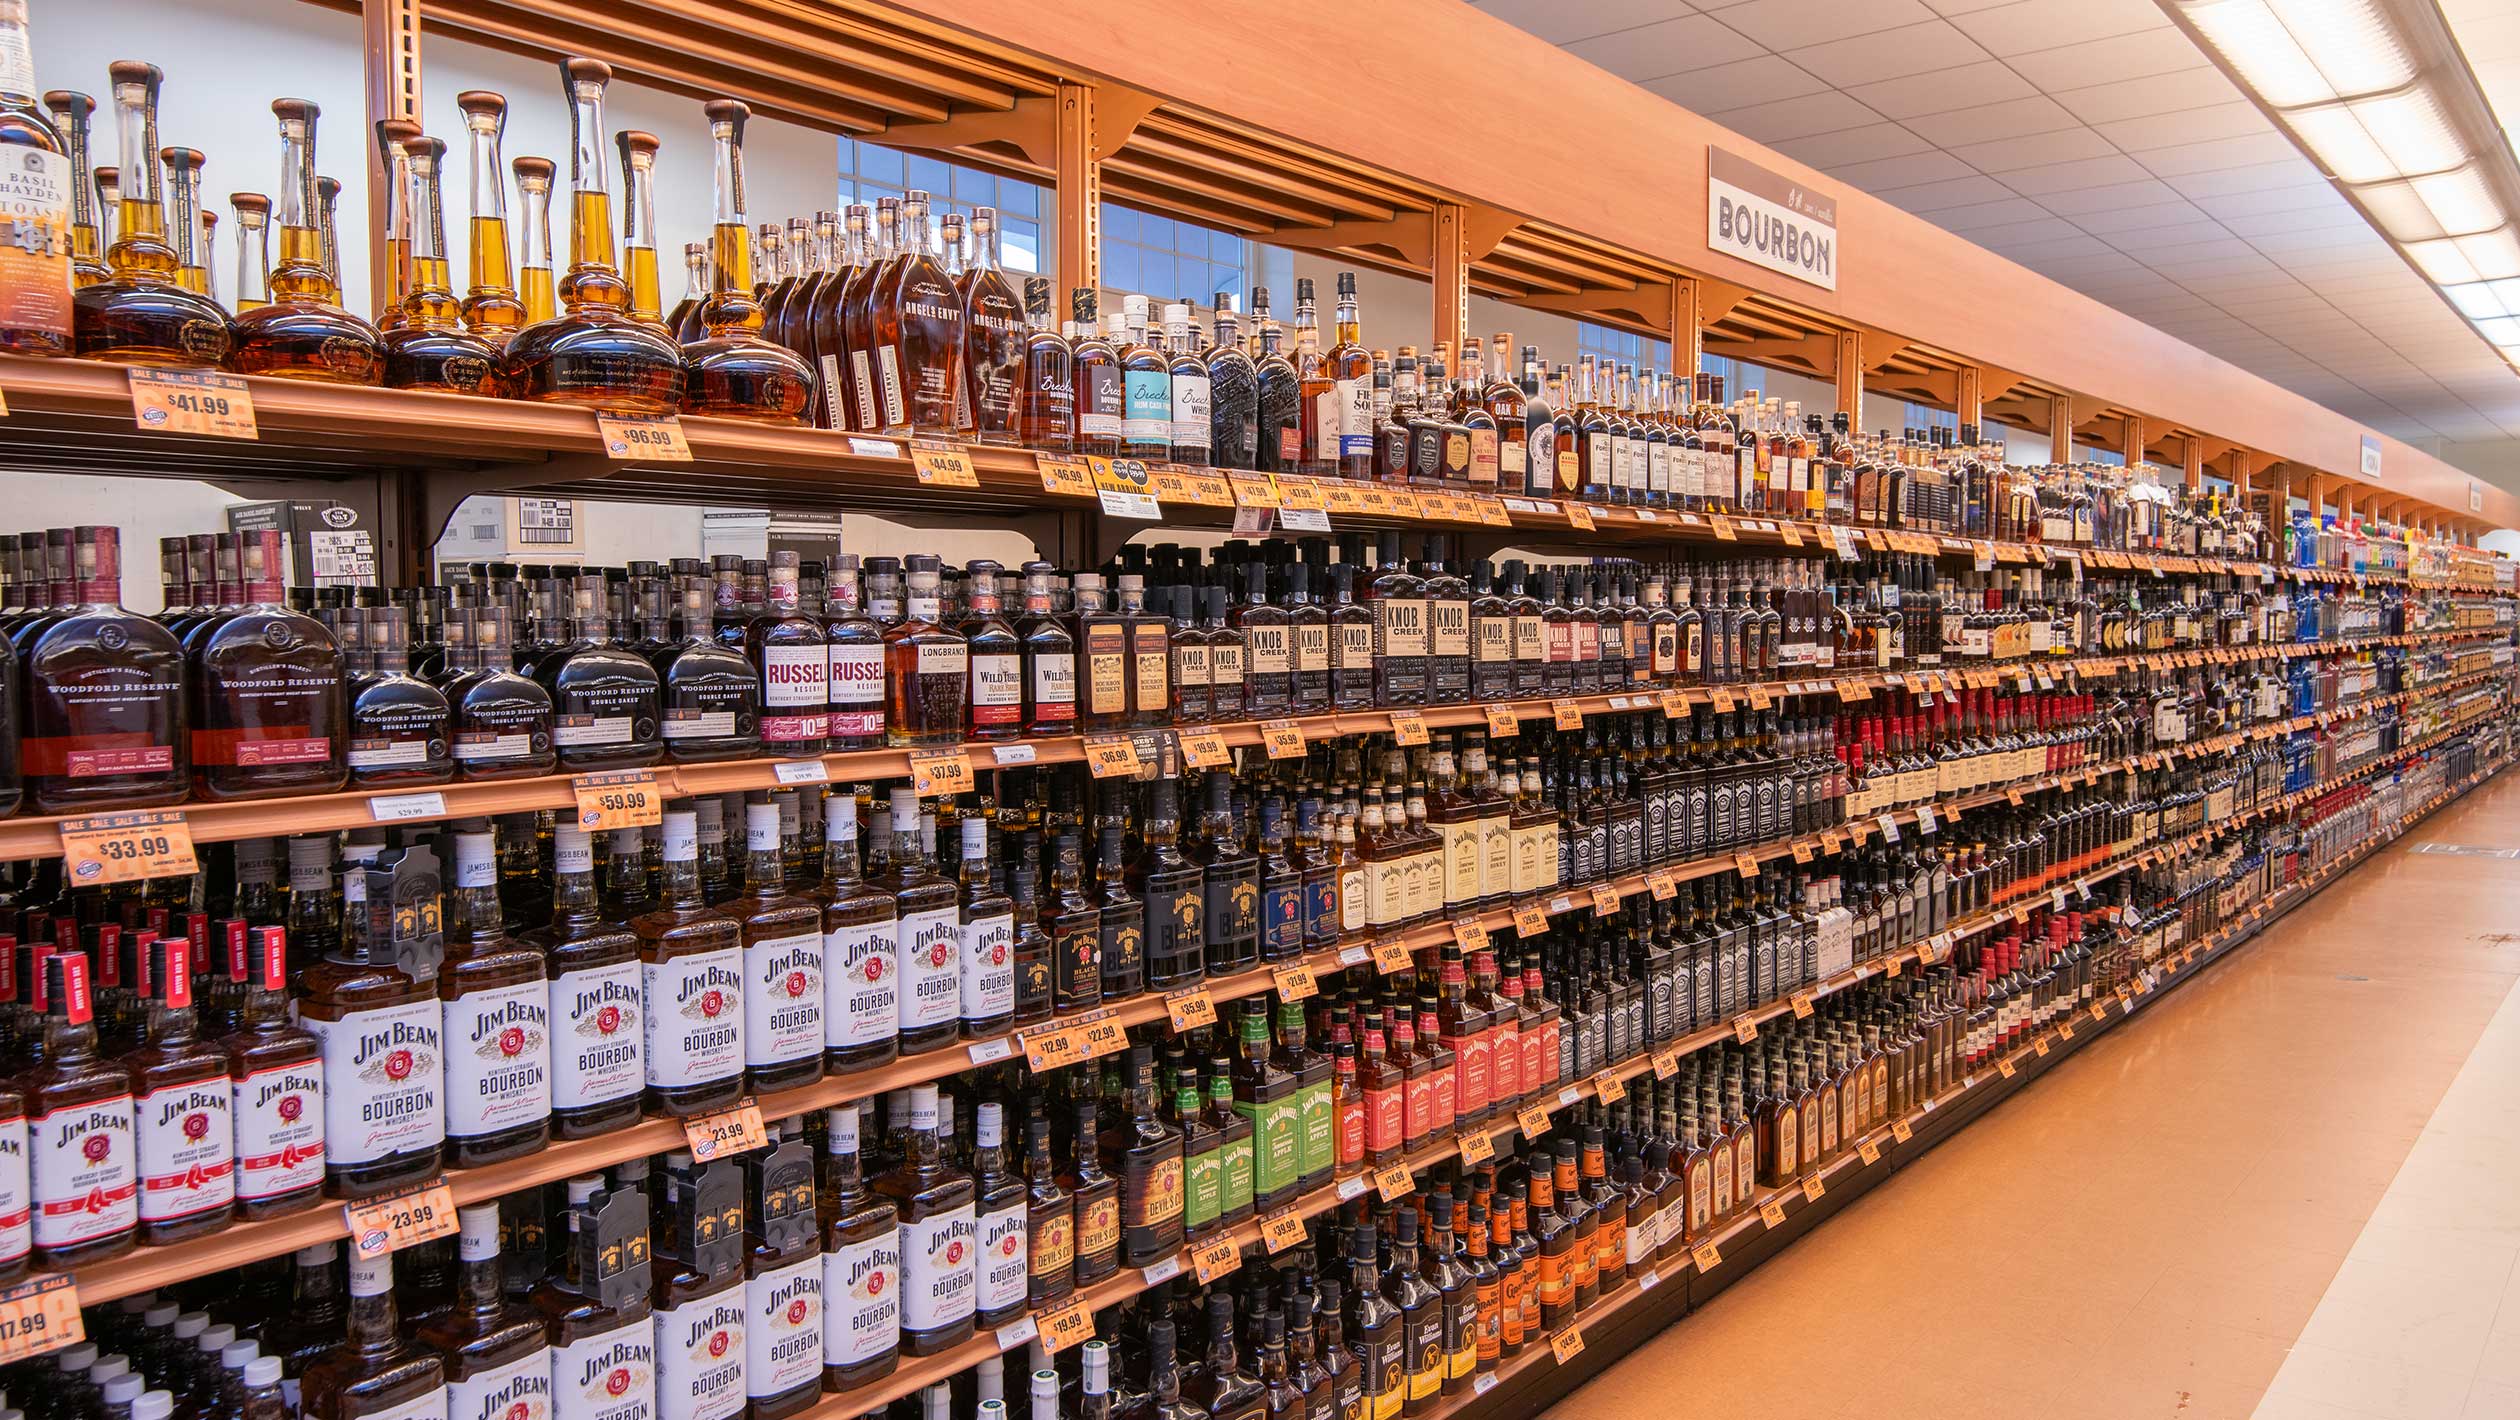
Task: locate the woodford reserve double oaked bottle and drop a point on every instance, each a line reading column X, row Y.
column 497, row 1020
column 277, row 1072
column 598, row 1017
column 595, row 1309
column 106, row 724
column 691, row 964
column 384, row 1108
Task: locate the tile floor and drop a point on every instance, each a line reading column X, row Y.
column 2289, row 1190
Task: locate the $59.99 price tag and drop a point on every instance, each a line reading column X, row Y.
column 735, row 1131
column 38, row 1315
column 626, row 798
column 121, row 848
column 398, row 1220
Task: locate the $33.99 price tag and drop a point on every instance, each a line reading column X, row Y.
column 626, row 798
column 121, row 848
column 633, row 438
column 192, row 402
column 38, row 1315
column 401, row 1219
column 734, row 1131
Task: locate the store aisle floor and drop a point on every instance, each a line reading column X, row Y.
column 2146, row 1232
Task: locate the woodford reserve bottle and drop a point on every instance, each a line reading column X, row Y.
column 497, row 997
column 37, row 191
column 861, row 971
column 861, row 1261
column 783, row 963
column 783, row 1286
column 268, row 711
column 373, row 1374
column 184, row 1140
column 384, row 1108
column 106, row 725
column 496, row 1357
column 936, row 1205
column 595, row 1309
column 699, row 1295
column 691, row 963
column 598, row 1017
column 277, row 1073
column 81, row 1159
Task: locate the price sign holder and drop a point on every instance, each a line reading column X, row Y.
column 1391, row 954
column 1746, row 864
column 1070, row 1325
column 1605, row 899
column 1531, row 919
column 1294, row 983
column 1393, row 1181
column 940, row 771
column 734, row 1131
column 1215, row 1258
column 1802, row 1005
column 1280, row 1231
column 1125, row 488
column 1567, row 1345
column 1900, row 1130
column 393, row 1221
column 1610, row 1088
column 1475, row 1148
column 1533, row 1119
column 38, row 1315
column 624, row 798
column 943, row 464
column 1070, row 477
column 1662, row 884
column 1745, row 1029
column 193, row 402
column 636, row 438
column 1870, row 1151
column 1569, row 714
column 1471, row 933
column 1502, row 722
column 121, row 848
column 1666, row 1063
column 1707, row 1256
column 1284, row 739
column 1190, row 1010
column 1203, row 749
column 1772, row 1212
column 1112, row 756
column 1813, row 1188
column 1408, row 727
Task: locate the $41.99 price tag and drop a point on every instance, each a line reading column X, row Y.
column 734, row 1131
column 398, row 1220
column 626, row 798
column 633, row 438
column 192, row 402
column 38, row 1315
column 121, row 848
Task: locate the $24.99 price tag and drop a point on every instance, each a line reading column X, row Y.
column 626, row 798
column 398, row 1220
column 735, row 1131
column 121, row 848
column 1216, row 1258
column 38, row 1315
column 633, row 438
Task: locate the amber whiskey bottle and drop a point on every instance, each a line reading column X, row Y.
column 490, row 308
column 1373, row 1328
column 141, row 314
column 783, row 963
column 861, row 1261
column 268, row 700
column 276, row 1073
column 497, row 1030
column 936, row 1205
column 597, row 1015
column 698, row 1301
column 1003, row 1270
column 861, row 966
column 302, row 333
column 81, row 1156
column 496, row 1358
column 381, row 1032
column 45, row 181
column 918, row 334
column 733, row 371
column 1094, row 1194
column 925, row 665
column 594, row 1308
column 428, row 347
column 106, row 724
column 1144, row 1152
column 927, row 907
column 181, row 1107
column 1050, row 1214
column 783, row 1278
column 373, row 1372
column 398, row 731
column 691, row 963
column 1045, row 392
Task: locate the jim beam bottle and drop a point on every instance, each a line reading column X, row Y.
column 691, row 971
column 861, row 969
column 85, row 1180
column 373, row 1374
column 596, row 1313
column 497, row 997
column 598, row 1015
column 17, row 1239
column 497, row 1357
column 783, row 963
column 380, row 1027
column 984, row 938
column 939, row 1228
column 861, row 1261
column 783, row 1287
column 929, row 914
column 186, row 1145
column 699, row 1297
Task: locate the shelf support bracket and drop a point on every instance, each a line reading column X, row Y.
column 1031, row 127
column 2060, row 428
column 1449, row 260
column 1850, row 376
column 390, row 39
column 1093, row 122
column 1688, row 332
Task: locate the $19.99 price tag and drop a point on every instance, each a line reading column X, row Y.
column 38, row 1315
column 626, row 798
column 121, row 848
column 401, row 1219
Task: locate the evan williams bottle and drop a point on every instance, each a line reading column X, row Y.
column 384, row 1110
column 85, row 1183
column 691, row 964
column 186, row 1143
column 276, row 1072
column 598, row 1017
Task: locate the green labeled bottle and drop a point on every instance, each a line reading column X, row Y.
column 1202, row 1155
column 1316, row 1141
column 1233, row 1133
column 1265, row 1095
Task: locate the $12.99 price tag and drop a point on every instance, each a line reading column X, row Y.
column 626, row 798
column 121, row 848
column 38, row 1315
column 401, row 1219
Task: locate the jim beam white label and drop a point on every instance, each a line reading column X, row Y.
column 519, row 1390
column 16, row 1206
column 861, row 985
column 382, row 1074
column 695, row 1018
column 86, row 1175
column 187, row 1151
column 611, row 1376
column 279, row 1119
column 862, row 1300
column 783, row 1003
column 931, row 971
column 498, row 1059
column 700, row 1357
column 783, row 1345
column 937, row 1257
column 598, row 1046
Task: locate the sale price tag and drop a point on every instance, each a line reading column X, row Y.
column 38, row 1315
column 1294, row 983
column 1284, row 739
column 1391, row 954
column 1502, row 722
column 1869, row 1151
column 1663, row 884
column 1408, row 727
column 1802, row 1005
column 1112, row 756
column 1070, row 1325
column 2041, row 1046
column 1569, row 714
column 121, row 848
column 1531, row 919
column 1666, row 1063
column 1203, row 749
column 2004, row 1067
column 1190, row 1010
column 735, row 1131
column 940, row 771
column 1533, row 1119
column 1813, row 1188
column 1745, row 1029
column 1772, row 1212
column 1476, row 1148
column 1280, row 1231
column 1605, row 899
column 1215, row 1258
column 1069, row 477
column 397, row 1220
column 624, row 798
column 1802, row 850
column 1472, row 934
column 193, row 402
column 1723, row 527
column 1900, row 1131
column 943, row 464
column 638, row 438
column 1579, row 517
column 1610, row 1087
column 1393, row 1181
column 1746, row 864
column 1567, row 1345
column 1707, row 1256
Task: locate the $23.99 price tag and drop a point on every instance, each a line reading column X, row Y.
column 192, row 402
column 38, row 1315
column 121, row 848
column 734, row 1131
column 633, row 438
column 398, row 1220
column 626, row 798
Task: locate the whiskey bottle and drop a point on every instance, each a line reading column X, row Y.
column 268, row 708
column 995, row 655
column 106, row 725
column 428, row 348
column 491, row 308
column 40, row 192
column 783, row 963
column 1373, row 1329
column 141, row 314
column 533, row 238
column 1075, row 928
column 593, row 353
column 605, row 698
column 1095, row 1196
column 733, row 371
column 928, row 912
column 1169, row 887
column 1146, row 382
column 783, row 1284
column 935, row 1203
column 384, row 1106
column 861, row 1262
column 503, row 721
column 598, row 1017
column 184, row 1138
column 373, row 1374
column 984, row 938
column 496, row 1358
column 1045, row 391
column 399, row 731
column 1003, row 1215
column 276, row 1076
column 792, row 659
column 594, row 1309
column 925, row 665
column 1233, row 385
column 995, row 337
column 691, row 962
column 918, row 335
column 302, row 333
column 638, row 223
column 1202, row 1151
column 1144, row 1151
column 1277, row 442
column 1229, row 1392
column 1346, row 424
column 711, row 697
column 856, row 646
column 1121, row 956
column 497, row 1030
column 1267, row 1097
column 253, row 249
column 699, row 1310
column 1050, row 1219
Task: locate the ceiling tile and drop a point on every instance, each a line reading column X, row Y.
column 1959, row 192
column 2112, row 196
column 1559, row 21
column 1963, row 7
column 2065, row 177
column 1667, row 47
column 2107, row 61
column 2136, row 219
column 2015, row 233
column 2031, row 253
column 1942, row 90
column 2034, row 150
column 2256, row 177
column 1762, row 79
column 1987, row 122
column 2045, row 24
column 1797, row 118
column 1786, row 24
column 2195, row 125
column 1988, row 214
column 1853, row 145
column 2170, row 240
column 2202, row 86
column 2313, row 203
column 1929, row 48
column 1934, row 166
column 2219, row 154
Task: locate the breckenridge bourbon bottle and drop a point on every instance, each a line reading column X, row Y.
column 142, row 315
column 594, row 352
column 734, row 372
column 303, row 333
column 39, row 185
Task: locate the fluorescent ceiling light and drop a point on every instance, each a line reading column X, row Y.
column 2403, row 214
column 2460, row 200
column 2442, row 262
column 2494, row 254
column 2351, row 42
column 2502, row 331
column 2476, row 300
column 2507, row 292
column 2335, row 136
column 2411, row 128
column 2264, row 52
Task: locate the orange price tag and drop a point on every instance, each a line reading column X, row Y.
column 2041, row 1046
column 939, row 771
column 1390, row 955
column 1190, row 1010
column 1802, row 1005
column 1284, row 739
column 1579, row 516
column 1746, row 864
column 1111, row 756
column 1666, row 1064
column 196, row 402
column 1070, row 1325
column 1531, row 919
column 1216, row 1257
column 1393, row 1181
column 1871, row 1152
column 633, row 438
column 2099, row 1010
column 1203, row 749
column 1280, row 1231
column 1892, row 966
column 1503, row 723
column 1567, row 1345
column 121, row 848
column 2004, row 1067
column 1674, row 704
column 734, row 1131
column 1662, row 884
column 1745, row 1029
column 1408, row 727
column 1772, row 1212
column 1253, row 490
column 624, row 798
column 2065, row 1029
column 1802, row 850
column 393, row 1221
column 1471, row 933
column 1854, row 690
column 1813, row 1188
column 1475, row 1148
column 1900, row 1131
column 1723, row 701
column 946, row 464
column 1533, row 1119
column 1053, row 1048
column 1723, row 528
column 1605, row 899
column 1066, row 476
column 1610, row 1088
column 1792, row 534
column 38, row 1315
column 1706, row 1256
column 1300, row 495
column 1568, row 713
column 1294, row 983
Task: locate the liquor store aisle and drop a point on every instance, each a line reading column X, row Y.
column 2264, row 1197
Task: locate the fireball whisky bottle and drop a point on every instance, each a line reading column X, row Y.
column 491, row 308
column 70, row 111
column 253, row 249
column 594, row 353
column 430, row 349
column 533, row 191
column 638, row 222
column 38, row 193
column 141, row 315
column 734, row 371
column 304, row 334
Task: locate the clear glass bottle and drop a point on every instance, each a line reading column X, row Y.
column 918, row 334
column 253, row 249
column 598, row 1016
column 41, row 194
column 303, row 333
column 638, row 223
column 496, row 1357
column 783, row 962
column 141, row 315
column 733, row 372
column 533, row 234
column 430, row 349
column 491, row 308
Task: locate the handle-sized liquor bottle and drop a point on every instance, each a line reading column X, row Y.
column 106, row 724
